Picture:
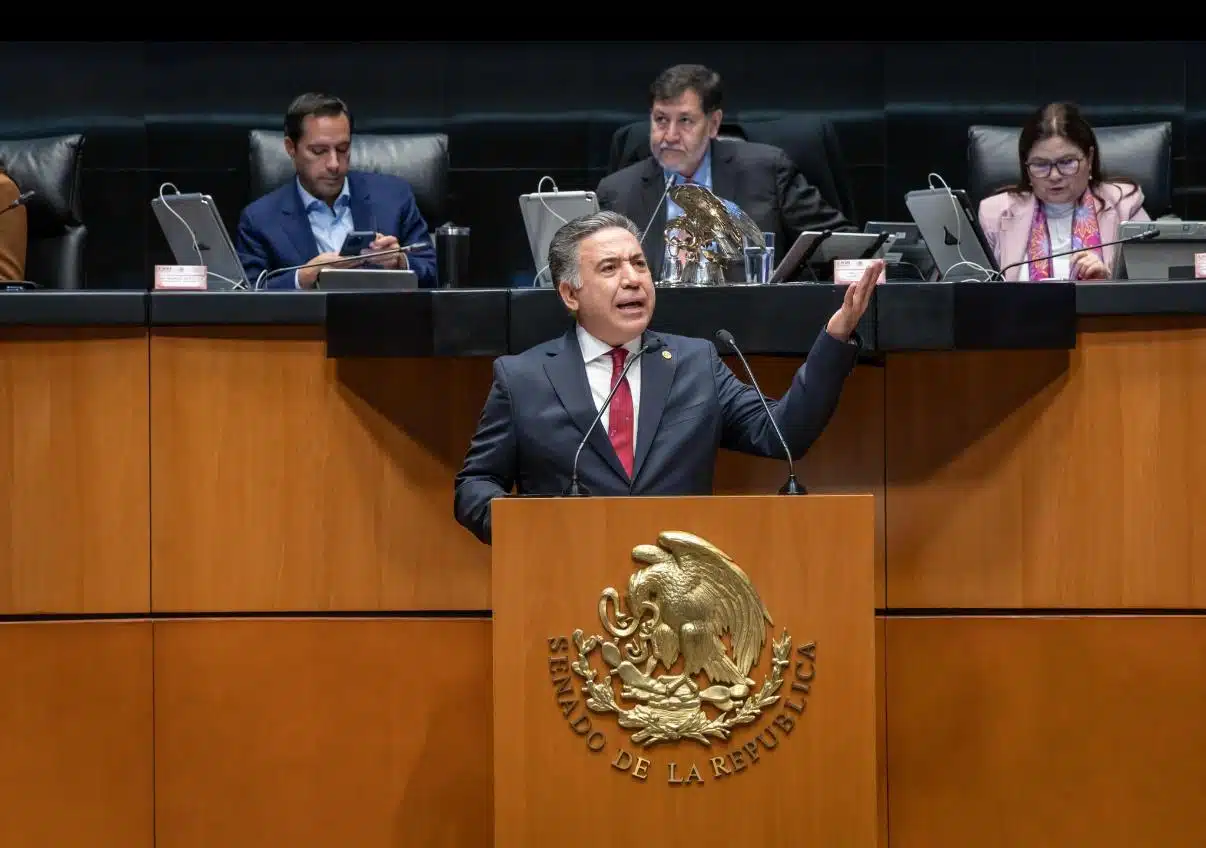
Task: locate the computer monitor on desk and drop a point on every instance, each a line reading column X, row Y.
column 196, row 234
column 1169, row 256
column 813, row 253
column 905, row 255
column 543, row 214
column 952, row 233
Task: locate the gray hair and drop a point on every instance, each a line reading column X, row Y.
column 563, row 249
column 673, row 83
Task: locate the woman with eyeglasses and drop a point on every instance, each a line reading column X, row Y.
column 1062, row 202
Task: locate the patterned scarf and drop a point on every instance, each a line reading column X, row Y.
column 1085, row 235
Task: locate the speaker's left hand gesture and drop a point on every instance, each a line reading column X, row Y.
column 854, row 304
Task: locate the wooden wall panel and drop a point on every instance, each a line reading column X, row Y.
column 1046, row 731
column 1051, row 479
column 364, row 732
column 244, row 421
column 847, row 459
column 74, row 484
column 881, row 728
column 76, row 735
column 284, row 480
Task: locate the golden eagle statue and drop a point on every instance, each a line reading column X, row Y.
column 697, row 594
column 709, row 233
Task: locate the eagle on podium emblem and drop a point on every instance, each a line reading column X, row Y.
column 682, row 601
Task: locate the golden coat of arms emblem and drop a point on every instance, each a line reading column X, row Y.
column 680, row 646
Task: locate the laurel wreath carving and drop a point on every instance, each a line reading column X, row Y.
column 677, row 714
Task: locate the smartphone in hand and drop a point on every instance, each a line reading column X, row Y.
column 357, row 242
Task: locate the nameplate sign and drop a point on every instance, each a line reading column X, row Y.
column 180, row 277
column 851, row 270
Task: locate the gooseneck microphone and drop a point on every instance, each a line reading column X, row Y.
column 792, row 486
column 575, row 488
column 266, row 275
column 1146, row 235
column 21, row 200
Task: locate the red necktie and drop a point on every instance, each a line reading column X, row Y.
column 619, row 414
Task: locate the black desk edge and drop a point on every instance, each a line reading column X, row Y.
column 766, row 320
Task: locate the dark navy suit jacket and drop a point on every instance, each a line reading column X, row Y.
column 540, row 406
column 274, row 231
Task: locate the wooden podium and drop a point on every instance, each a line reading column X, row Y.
column 771, row 742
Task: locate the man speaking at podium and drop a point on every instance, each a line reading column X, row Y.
column 673, row 401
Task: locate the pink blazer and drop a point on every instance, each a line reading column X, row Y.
column 1005, row 219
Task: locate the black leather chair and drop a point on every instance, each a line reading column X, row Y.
column 421, row 160
column 1141, row 152
column 809, row 141
column 51, row 167
column 812, row 143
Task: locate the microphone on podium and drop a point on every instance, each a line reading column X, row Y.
column 791, row 487
column 1146, row 235
column 575, row 488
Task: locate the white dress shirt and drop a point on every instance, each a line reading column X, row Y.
column 330, row 224
column 1059, row 231
column 597, row 356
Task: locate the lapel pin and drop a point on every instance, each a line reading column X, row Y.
column 665, row 354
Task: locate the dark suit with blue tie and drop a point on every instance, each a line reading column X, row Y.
column 274, row 231
column 540, row 406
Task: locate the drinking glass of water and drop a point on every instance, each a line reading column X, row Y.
column 759, row 261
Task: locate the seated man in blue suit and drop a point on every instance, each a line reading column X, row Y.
column 672, row 410
column 306, row 220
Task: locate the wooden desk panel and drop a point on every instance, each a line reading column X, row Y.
column 73, row 471
column 317, row 733
column 284, row 480
column 1049, row 479
column 1046, row 731
column 76, row 734
column 815, row 747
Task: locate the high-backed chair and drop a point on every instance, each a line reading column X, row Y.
column 50, row 167
column 809, row 141
column 421, row 160
column 812, row 143
column 1141, row 152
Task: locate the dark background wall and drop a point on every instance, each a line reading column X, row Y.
column 517, row 111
